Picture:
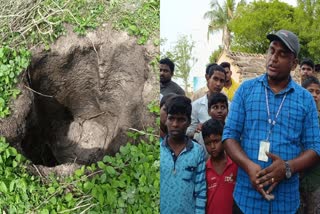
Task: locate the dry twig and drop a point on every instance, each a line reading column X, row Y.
column 37, row 92
column 41, row 176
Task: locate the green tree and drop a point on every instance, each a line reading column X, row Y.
column 181, row 54
column 252, row 22
column 213, row 58
column 219, row 17
column 307, row 19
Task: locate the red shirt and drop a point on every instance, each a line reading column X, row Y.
column 220, row 188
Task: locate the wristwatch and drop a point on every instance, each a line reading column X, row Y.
column 288, row 170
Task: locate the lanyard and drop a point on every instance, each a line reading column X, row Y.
column 270, row 121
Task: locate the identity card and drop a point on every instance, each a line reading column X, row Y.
column 264, row 147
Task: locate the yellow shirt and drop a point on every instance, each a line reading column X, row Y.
column 233, row 88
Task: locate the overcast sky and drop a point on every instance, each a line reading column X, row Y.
column 185, row 17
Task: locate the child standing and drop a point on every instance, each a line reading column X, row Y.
column 310, row 182
column 217, row 109
column 221, row 171
column 182, row 163
column 163, row 115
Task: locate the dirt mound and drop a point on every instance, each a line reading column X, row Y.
column 89, row 91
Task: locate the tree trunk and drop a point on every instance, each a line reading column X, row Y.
column 185, row 85
column 226, row 37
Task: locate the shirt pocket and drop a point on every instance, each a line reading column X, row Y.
column 189, row 173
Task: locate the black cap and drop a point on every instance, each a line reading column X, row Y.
column 288, row 38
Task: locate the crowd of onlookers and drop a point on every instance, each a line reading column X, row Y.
column 242, row 148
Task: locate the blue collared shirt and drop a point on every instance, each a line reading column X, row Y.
column 182, row 179
column 296, row 129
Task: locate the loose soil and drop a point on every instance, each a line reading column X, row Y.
column 79, row 99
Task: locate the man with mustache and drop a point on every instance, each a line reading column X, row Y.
column 271, row 121
column 167, row 86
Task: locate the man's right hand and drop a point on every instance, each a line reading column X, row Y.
column 252, row 171
column 236, row 153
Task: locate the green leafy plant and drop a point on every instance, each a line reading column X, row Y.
column 141, row 18
column 12, row 63
column 125, row 183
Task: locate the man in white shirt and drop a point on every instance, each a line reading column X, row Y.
column 216, row 77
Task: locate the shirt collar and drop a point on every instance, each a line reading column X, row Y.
column 189, row 145
column 162, row 85
column 289, row 87
column 229, row 163
column 204, row 99
column 232, row 81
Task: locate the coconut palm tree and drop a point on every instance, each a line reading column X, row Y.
column 219, row 17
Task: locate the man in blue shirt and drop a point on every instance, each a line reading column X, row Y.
column 271, row 121
column 182, row 163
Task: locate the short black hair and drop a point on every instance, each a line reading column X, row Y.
column 212, row 126
column 310, row 80
column 225, row 65
column 179, row 105
column 217, row 97
column 166, row 97
column 317, row 68
column 307, row 61
column 214, row 68
column 208, row 67
column 168, row 62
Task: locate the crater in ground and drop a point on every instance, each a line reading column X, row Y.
column 79, row 98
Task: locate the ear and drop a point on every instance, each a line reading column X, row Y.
column 294, row 64
column 207, row 77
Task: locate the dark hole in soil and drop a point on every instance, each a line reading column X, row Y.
column 48, row 121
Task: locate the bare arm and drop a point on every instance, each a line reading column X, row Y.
column 304, row 161
column 194, row 121
column 236, row 153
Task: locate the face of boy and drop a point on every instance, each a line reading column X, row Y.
column 216, row 82
column 214, row 145
column 314, row 89
column 177, row 125
column 218, row 111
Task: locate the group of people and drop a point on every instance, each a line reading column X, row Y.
column 248, row 148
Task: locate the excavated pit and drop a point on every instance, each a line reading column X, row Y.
column 80, row 98
column 48, row 123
